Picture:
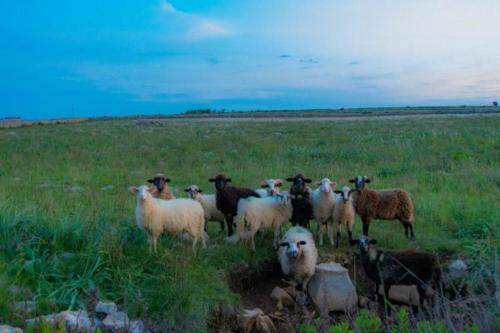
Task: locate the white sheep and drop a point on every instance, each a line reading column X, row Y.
column 208, row 203
column 322, row 200
column 343, row 212
column 172, row 216
column 269, row 187
column 255, row 214
column 298, row 255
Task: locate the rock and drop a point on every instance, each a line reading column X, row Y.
column 256, row 321
column 136, row 326
column 282, row 297
column 74, row 321
column 25, row 306
column 117, row 321
column 403, row 294
column 457, row 269
column 331, row 288
column 106, row 307
column 96, row 324
column 10, row 329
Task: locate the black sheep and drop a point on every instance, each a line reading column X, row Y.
column 405, row 267
column 227, row 197
column 301, row 200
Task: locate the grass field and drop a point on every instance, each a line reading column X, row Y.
column 64, row 231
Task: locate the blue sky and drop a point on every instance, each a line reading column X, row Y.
column 90, row 58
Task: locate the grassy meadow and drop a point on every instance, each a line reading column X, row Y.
column 67, row 220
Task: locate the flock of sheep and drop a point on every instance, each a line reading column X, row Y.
column 250, row 210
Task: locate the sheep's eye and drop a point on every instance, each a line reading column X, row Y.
column 283, row 244
column 301, row 243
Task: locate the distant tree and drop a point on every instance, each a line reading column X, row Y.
column 495, row 103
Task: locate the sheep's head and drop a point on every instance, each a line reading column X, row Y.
column 326, row 185
column 220, row 181
column 293, row 249
column 159, row 181
column 193, row 191
column 364, row 243
column 272, row 186
column 298, row 183
column 142, row 192
column 360, row 181
column 345, row 193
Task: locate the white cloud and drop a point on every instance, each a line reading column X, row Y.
column 167, row 7
column 205, row 29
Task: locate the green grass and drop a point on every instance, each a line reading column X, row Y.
column 61, row 243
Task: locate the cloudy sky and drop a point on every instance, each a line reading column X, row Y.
column 64, row 58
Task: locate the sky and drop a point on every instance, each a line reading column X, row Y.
column 64, row 58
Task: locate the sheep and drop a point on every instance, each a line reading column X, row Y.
column 269, row 187
column 298, row 255
column 301, row 202
column 256, row 214
column 227, row 197
column 343, row 212
column 322, row 200
column 207, row 201
column 161, row 184
column 382, row 204
column 405, row 267
column 173, row 216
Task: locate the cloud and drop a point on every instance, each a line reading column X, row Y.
column 205, row 29
column 284, row 56
column 167, row 7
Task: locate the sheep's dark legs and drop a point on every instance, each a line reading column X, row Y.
column 366, row 226
column 409, row 230
column 338, row 239
column 229, row 222
column 222, row 227
column 349, row 232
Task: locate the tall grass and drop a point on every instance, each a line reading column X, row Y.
column 63, row 233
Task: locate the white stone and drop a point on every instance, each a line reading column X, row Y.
column 106, row 307
column 117, row 321
column 136, row 326
column 457, row 269
column 331, row 288
column 10, row 329
column 403, row 294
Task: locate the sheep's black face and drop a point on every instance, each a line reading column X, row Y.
column 220, row 182
column 159, row 182
column 360, row 181
column 364, row 243
column 299, row 184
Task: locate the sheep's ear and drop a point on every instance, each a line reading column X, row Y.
column 337, row 191
column 263, row 185
column 228, row 180
column 284, row 244
column 373, row 241
column 367, row 180
column 289, row 179
column 302, row 242
column 278, row 182
column 352, row 181
column 199, row 190
column 151, row 180
column 167, row 180
column 186, row 190
column 211, row 180
column 132, row 189
column 308, row 180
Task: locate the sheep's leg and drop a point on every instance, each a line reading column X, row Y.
column 329, row 228
column 153, row 243
column 222, row 227
column 205, row 225
column 229, row 222
column 320, row 233
column 253, row 244
column 349, row 232
column 203, row 241
column 366, row 226
column 338, row 236
column 195, row 240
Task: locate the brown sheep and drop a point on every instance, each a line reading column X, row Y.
column 301, row 200
column 227, row 197
column 405, row 267
column 382, row 204
column 161, row 183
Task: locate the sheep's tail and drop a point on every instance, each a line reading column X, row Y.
column 406, row 206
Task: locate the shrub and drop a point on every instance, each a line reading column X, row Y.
column 367, row 322
column 340, row 328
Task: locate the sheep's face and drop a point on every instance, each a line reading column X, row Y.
column 326, row 185
column 293, row 250
column 220, row 182
column 193, row 191
column 299, row 183
column 141, row 192
column 364, row 243
column 159, row 181
column 272, row 186
column 360, row 181
column 345, row 193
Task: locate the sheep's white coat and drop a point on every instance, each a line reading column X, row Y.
column 298, row 261
column 343, row 212
column 255, row 214
column 172, row 216
column 208, row 202
column 322, row 200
